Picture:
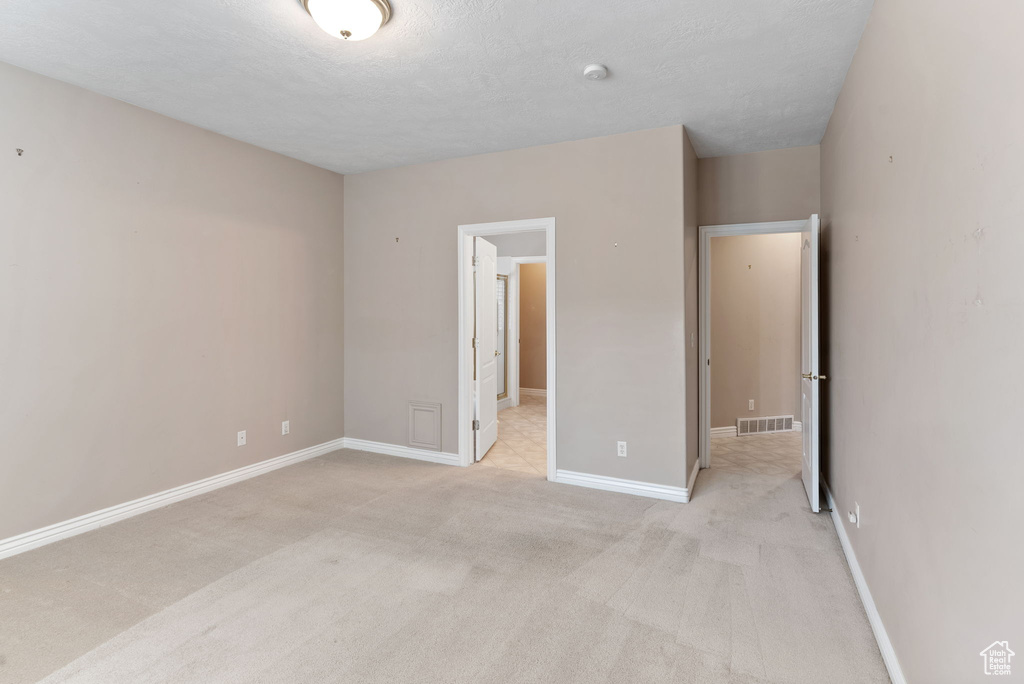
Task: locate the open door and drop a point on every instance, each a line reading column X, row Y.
column 810, row 378
column 485, row 347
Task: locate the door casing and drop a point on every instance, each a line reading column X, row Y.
column 704, row 310
column 466, row 233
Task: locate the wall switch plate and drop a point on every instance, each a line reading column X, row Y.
column 854, row 515
column 241, row 438
column 286, row 427
column 750, row 405
column 622, row 450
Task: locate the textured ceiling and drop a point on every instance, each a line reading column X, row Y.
column 449, row 78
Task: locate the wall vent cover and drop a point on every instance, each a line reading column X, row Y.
column 759, row 426
column 425, row 425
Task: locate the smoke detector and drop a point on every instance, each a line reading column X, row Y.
column 596, row 72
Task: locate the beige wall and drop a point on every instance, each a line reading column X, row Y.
column 922, row 177
column 690, row 290
column 777, row 185
column 520, row 244
column 533, row 355
column 620, row 311
column 755, row 326
column 161, row 288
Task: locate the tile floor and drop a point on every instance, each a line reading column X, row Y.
column 522, row 438
column 771, row 454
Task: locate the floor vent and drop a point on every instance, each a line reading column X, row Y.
column 758, row 426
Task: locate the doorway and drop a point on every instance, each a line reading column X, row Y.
column 490, row 352
column 784, row 434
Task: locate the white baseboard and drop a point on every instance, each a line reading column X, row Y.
column 504, row 403
column 90, row 521
column 892, row 664
column 614, row 484
column 402, row 451
column 528, row 392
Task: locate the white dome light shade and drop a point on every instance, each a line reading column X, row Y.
column 349, row 19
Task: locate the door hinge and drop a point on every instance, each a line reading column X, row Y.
column 476, row 424
column 476, row 261
column 474, row 342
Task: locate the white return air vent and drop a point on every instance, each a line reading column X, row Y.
column 758, row 426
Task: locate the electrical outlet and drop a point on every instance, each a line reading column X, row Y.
column 241, row 438
column 622, row 450
column 750, row 405
column 286, row 427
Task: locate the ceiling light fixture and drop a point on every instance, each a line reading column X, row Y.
column 349, row 19
column 596, row 72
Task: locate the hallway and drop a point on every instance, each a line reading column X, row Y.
column 770, row 454
column 522, row 438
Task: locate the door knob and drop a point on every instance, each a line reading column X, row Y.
column 809, row 376
column 497, row 353
column 806, row 376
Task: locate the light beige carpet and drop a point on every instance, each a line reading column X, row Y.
column 361, row 568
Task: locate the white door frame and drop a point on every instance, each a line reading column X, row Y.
column 547, row 225
column 513, row 365
column 704, row 287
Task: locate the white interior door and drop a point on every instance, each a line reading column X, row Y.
column 810, row 377
column 485, row 346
